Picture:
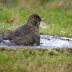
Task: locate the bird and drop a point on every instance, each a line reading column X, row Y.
column 28, row 34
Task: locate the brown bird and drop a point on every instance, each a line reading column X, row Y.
column 27, row 34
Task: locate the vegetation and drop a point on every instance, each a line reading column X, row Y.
column 35, row 60
column 59, row 19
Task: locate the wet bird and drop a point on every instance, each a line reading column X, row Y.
column 27, row 34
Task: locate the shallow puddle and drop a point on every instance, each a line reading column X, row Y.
column 56, row 42
column 46, row 41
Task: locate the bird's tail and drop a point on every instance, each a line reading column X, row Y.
column 3, row 36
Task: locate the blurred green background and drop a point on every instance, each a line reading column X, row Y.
column 58, row 14
column 38, row 3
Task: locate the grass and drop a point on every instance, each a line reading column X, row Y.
column 59, row 20
column 37, row 60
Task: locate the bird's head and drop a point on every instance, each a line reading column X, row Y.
column 34, row 20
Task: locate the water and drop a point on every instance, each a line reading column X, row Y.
column 56, row 42
column 46, row 41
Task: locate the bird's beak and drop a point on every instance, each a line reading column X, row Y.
column 42, row 19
